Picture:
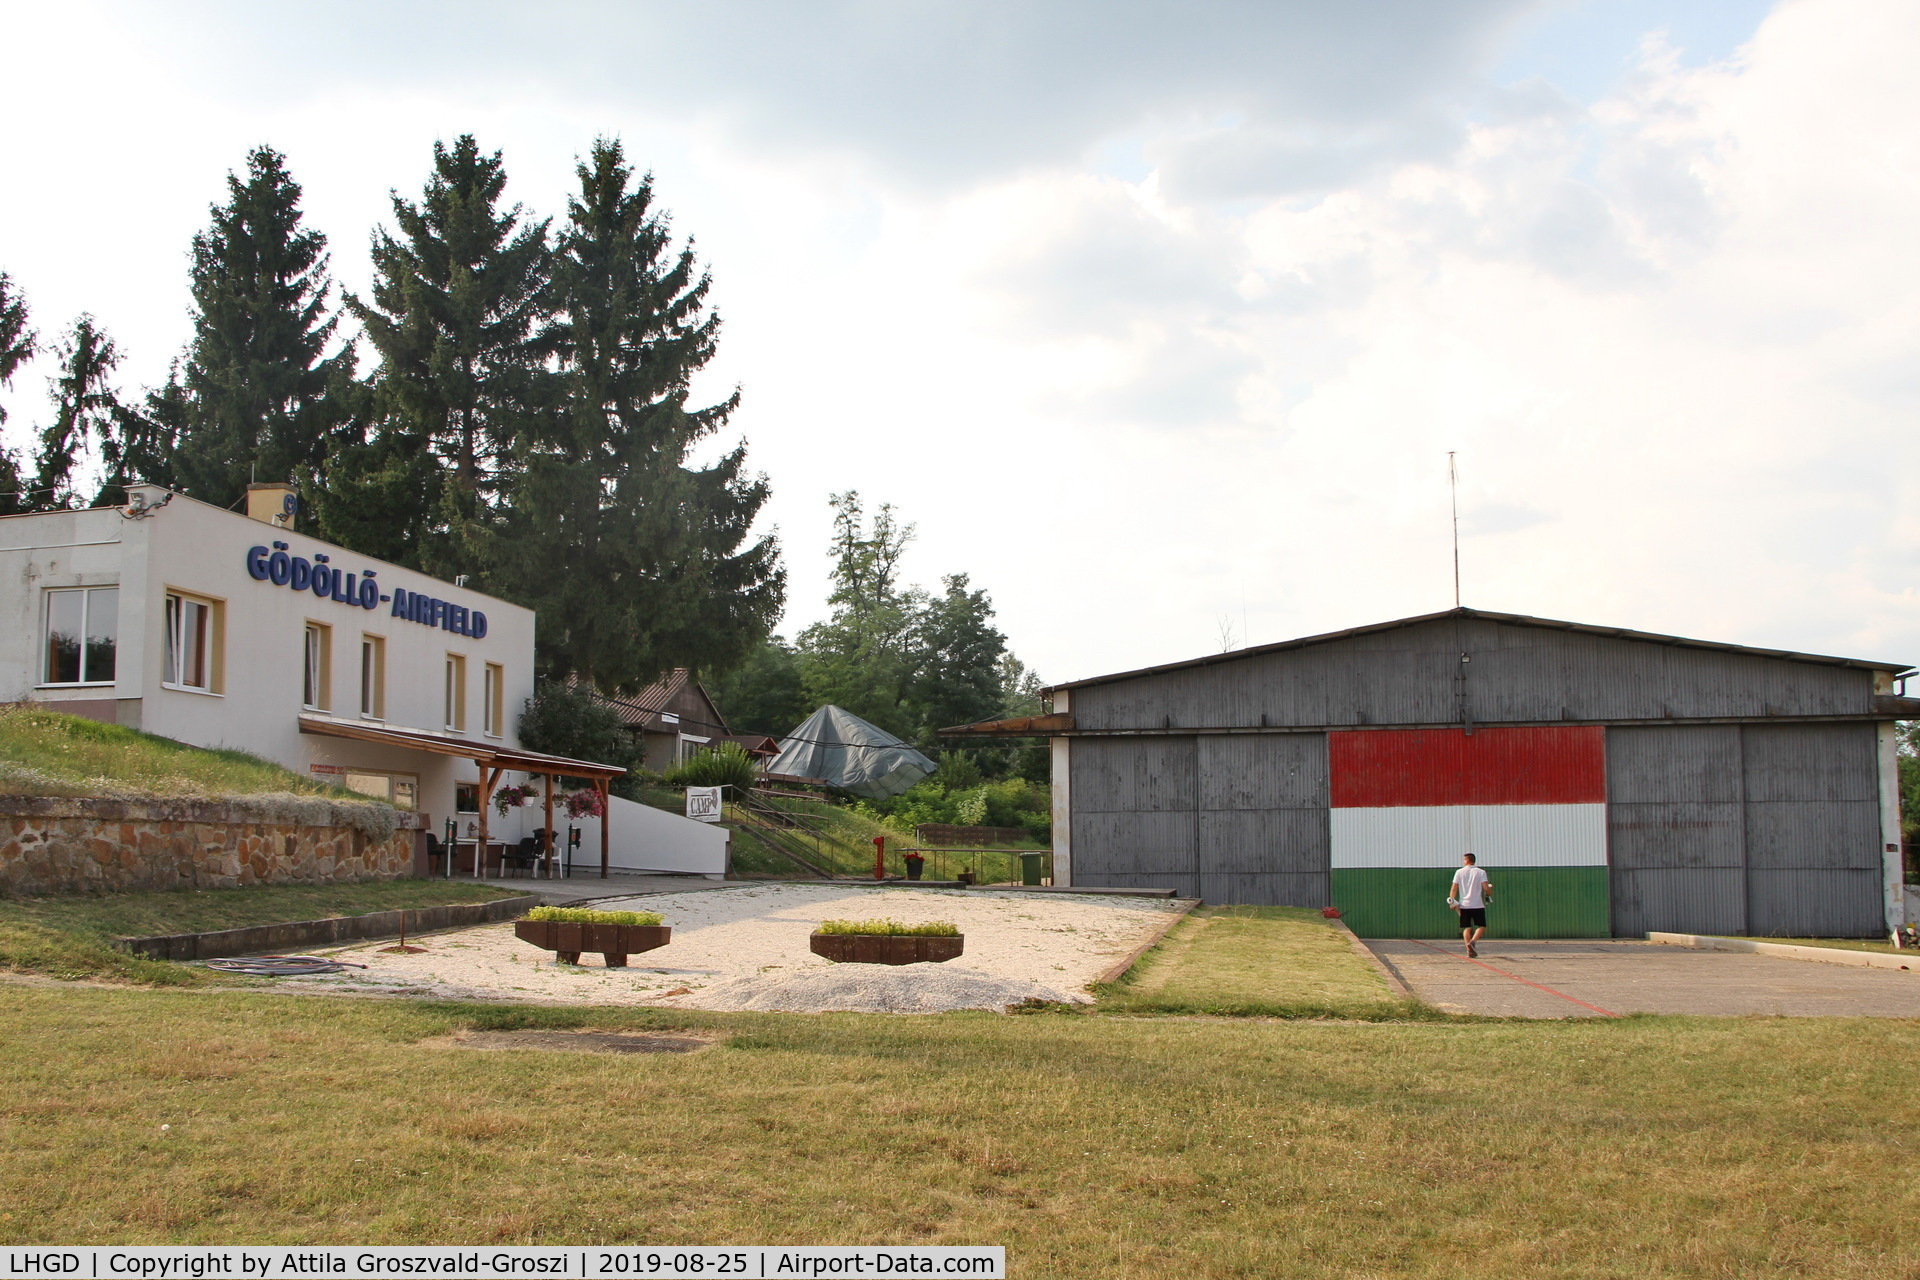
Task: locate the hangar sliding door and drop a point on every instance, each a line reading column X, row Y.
column 1529, row 803
column 1134, row 819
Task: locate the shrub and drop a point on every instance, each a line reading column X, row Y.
column 584, row 915
column 889, row 929
column 727, row 765
column 567, row 720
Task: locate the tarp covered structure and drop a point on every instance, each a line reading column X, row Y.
column 842, row 750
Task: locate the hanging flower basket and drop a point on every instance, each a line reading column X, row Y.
column 511, row 798
column 585, row 804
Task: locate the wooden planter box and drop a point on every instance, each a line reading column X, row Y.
column 861, row 948
column 614, row 941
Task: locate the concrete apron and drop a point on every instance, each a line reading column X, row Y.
column 1597, row 979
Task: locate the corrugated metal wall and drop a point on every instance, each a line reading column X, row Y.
column 1675, row 829
column 1227, row 819
column 1767, row 828
column 1134, row 814
column 1264, row 819
column 1757, row 829
column 1813, row 830
column 1517, row 673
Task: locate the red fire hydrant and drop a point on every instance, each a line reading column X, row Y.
column 879, row 857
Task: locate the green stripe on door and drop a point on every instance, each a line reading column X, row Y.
column 1528, row 902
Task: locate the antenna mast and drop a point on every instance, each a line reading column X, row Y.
column 1453, row 489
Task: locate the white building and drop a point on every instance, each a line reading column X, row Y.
column 226, row 630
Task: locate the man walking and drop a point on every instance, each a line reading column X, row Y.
column 1472, row 890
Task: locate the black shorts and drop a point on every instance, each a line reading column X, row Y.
column 1473, row 917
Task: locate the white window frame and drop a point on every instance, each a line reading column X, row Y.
column 173, row 647
column 455, row 708
column 493, row 700
column 316, row 666
column 373, row 677
column 86, row 619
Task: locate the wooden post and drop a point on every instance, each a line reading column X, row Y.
column 600, row 784
column 546, row 841
column 489, row 779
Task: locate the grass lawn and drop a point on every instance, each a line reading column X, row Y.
column 1090, row 1147
column 48, row 753
column 1274, row 961
column 70, row 937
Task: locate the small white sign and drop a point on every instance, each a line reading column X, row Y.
column 703, row 804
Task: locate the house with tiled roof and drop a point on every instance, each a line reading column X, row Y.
column 674, row 717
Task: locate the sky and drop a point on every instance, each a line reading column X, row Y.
column 1158, row 320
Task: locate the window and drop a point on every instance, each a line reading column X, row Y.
column 456, row 692
column 82, row 630
column 466, row 797
column 316, row 686
column 373, row 677
column 401, row 790
column 193, row 643
column 495, row 696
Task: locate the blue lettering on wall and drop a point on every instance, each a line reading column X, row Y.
column 273, row 564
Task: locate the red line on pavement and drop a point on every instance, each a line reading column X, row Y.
column 1608, row 1013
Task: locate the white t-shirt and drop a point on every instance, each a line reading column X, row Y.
column 1470, row 886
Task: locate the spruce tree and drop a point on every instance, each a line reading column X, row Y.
column 84, row 408
column 17, row 345
column 456, row 301
column 143, row 444
column 637, row 562
column 258, row 378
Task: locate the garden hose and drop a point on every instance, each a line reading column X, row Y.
column 281, row 966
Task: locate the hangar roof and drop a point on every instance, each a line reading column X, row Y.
column 1514, row 619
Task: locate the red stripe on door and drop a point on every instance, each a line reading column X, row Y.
column 1393, row 768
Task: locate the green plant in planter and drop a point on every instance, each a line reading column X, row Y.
column 584, row 915
column 889, row 929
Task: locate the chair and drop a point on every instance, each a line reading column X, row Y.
column 434, row 850
column 522, row 856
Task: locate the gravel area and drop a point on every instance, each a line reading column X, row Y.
column 746, row 948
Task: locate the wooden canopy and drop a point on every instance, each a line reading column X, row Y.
column 492, row 760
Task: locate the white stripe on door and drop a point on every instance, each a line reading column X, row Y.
column 1499, row 835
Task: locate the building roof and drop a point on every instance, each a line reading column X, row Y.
column 643, row 710
column 447, row 745
column 1513, row 619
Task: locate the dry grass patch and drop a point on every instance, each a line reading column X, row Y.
column 1093, row 1147
column 1261, row 961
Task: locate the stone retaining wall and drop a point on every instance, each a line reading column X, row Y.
column 51, row 844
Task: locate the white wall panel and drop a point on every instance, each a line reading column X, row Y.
column 1509, row 835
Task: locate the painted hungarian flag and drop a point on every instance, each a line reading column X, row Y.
column 1529, row 804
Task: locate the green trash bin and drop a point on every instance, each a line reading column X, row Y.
column 1030, row 867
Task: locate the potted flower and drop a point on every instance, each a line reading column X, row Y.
column 886, row 942
column 915, row 864
column 567, row 931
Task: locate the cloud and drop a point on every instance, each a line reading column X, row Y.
column 1670, row 332
column 935, row 92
